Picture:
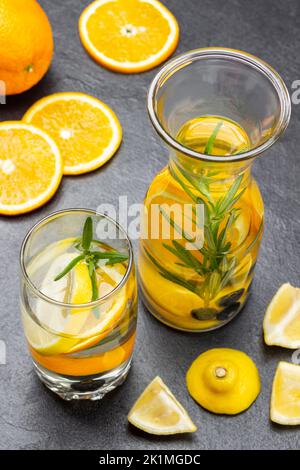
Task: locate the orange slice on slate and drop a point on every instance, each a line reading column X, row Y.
column 30, row 168
column 87, row 131
column 128, row 36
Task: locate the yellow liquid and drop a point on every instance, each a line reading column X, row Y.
column 171, row 302
column 86, row 341
column 230, row 139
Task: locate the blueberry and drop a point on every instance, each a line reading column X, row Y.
column 228, row 311
column 204, row 313
column 229, row 299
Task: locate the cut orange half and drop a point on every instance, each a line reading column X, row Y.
column 128, row 36
column 87, row 132
column 30, row 168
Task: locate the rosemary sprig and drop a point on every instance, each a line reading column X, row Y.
column 210, row 143
column 91, row 257
column 69, row 267
column 241, row 150
column 190, row 285
column 176, row 227
column 186, row 257
column 251, row 245
column 216, row 264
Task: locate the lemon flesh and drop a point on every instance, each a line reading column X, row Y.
column 75, row 287
column 158, row 412
column 285, row 400
column 224, row 381
column 282, row 319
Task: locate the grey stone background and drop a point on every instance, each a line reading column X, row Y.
column 33, row 418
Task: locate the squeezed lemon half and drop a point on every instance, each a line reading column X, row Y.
column 158, row 412
column 224, row 381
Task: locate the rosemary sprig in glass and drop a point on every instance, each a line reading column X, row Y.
column 91, row 257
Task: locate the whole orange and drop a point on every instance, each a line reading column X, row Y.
column 26, row 44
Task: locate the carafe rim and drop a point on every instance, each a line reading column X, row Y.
column 232, row 54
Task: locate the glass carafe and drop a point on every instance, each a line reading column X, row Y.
column 198, row 278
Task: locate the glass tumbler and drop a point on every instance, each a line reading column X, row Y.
column 81, row 348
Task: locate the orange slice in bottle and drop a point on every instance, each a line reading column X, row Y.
column 87, row 132
column 128, row 36
column 30, row 168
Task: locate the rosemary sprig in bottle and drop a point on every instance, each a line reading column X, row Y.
column 217, row 264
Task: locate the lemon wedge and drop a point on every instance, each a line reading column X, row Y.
column 109, row 313
column 285, row 400
column 282, row 319
column 158, row 412
column 82, row 284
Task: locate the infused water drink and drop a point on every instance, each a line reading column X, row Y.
column 216, row 109
column 79, row 305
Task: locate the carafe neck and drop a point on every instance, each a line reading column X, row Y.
column 217, row 175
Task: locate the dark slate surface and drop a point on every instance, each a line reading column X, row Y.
column 33, row 418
